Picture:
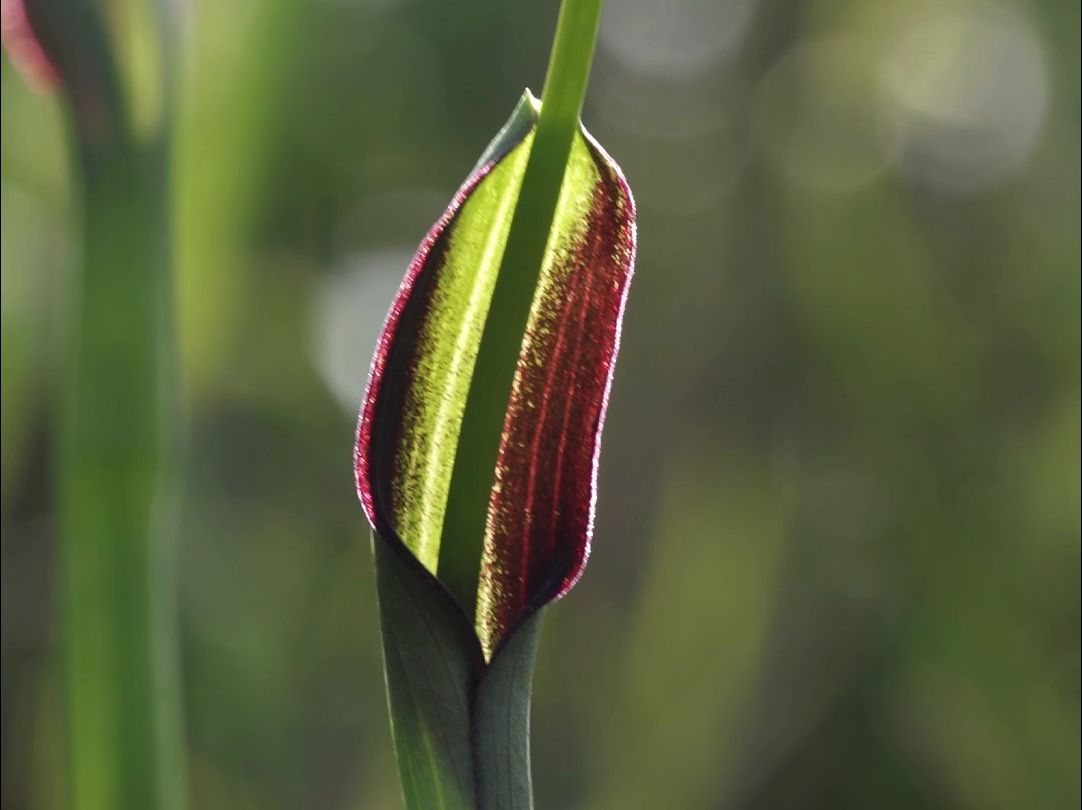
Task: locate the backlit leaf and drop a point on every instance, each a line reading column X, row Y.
column 541, row 506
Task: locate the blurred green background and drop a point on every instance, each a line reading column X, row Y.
column 836, row 561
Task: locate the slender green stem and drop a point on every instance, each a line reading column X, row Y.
column 490, row 389
column 116, row 453
column 117, row 631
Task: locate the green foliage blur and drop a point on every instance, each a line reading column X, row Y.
column 836, row 560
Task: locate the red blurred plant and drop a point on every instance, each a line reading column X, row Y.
column 21, row 44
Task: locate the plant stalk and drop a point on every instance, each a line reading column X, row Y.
column 116, row 455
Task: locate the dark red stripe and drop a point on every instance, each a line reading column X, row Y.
column 541, row 514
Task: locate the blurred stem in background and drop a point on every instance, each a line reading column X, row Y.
column 115, row 463
column 117, row 443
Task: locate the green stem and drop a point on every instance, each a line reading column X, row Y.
column 116, row 456
column 490, row 389
column 501, row 723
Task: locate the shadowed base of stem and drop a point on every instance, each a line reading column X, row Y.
column 461, row 727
